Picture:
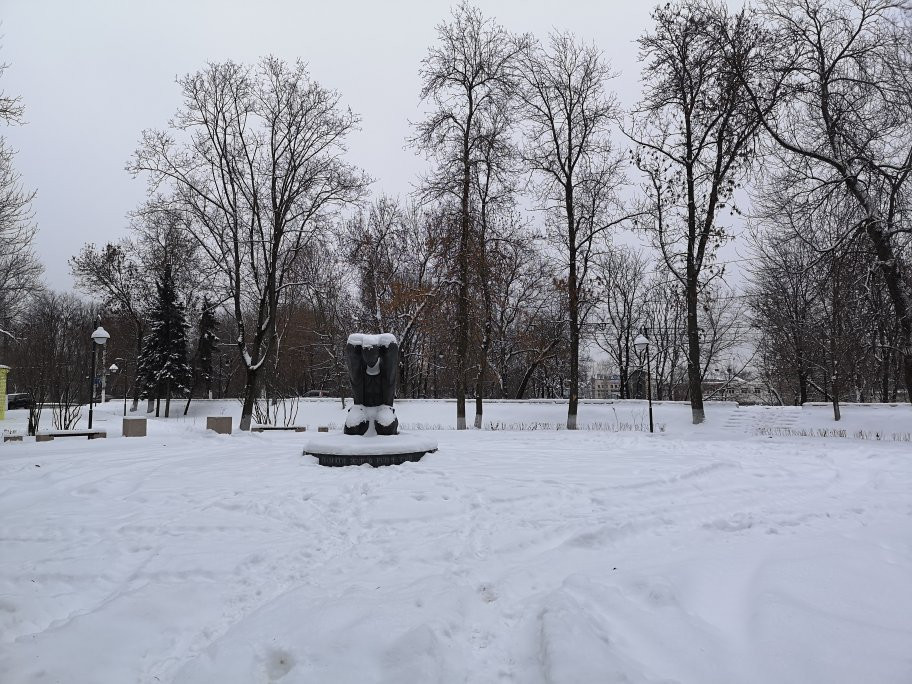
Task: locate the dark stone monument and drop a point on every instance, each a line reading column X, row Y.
column 371, row 434
column 373, row 364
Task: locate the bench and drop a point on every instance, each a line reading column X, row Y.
column 50, row 435
column 8, row 437
column 270, row 428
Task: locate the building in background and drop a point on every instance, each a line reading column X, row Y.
column 606, row 386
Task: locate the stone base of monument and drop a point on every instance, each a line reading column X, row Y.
column 339, row 449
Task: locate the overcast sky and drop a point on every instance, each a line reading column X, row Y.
column 93, row 74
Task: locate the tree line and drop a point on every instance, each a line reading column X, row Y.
column 553, row 223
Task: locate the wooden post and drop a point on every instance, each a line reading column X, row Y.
column 3, row 371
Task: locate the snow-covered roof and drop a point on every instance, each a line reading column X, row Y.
column 381, row 340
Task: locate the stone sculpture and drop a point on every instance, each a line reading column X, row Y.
column 373, row 364
column 371, row 435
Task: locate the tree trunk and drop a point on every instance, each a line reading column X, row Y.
column 479, row 380
column 168, row 399
column 462, row 309
column 521, row 391
column 695, row 387
column 887, row 362
column 193, row 385
column 900, row 294
column 250, row 396
column 573, row 302
column 136, row 388
column 486, row 335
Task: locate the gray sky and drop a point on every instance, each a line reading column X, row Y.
column 93, row 74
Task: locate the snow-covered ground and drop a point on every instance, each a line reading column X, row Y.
column 698, row 554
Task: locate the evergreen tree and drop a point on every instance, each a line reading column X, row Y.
column 163, row 366
column 207, row 346
column 207, row 342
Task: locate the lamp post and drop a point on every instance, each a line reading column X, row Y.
column 437, row 363
column 99, row 339
column 641, row 345
column 114, row 370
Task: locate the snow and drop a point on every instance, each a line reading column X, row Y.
column 382, row 415
column 340, row 444
column 365, row 340
column 698, row 554
column 356, row 415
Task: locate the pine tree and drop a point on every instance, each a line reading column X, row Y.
column 207, row 342
column 163, row 366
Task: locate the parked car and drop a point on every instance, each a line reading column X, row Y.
column 317, row 393
column 22, row 400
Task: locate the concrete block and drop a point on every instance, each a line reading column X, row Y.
column 221, row 424
column 134, row 427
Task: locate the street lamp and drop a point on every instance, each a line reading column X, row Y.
column 437, row 364
column 99, row 339
column 641, row 345
column 114, row 370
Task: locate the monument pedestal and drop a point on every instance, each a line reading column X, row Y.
column 339, row 449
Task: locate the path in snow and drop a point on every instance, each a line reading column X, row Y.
column 506, row 557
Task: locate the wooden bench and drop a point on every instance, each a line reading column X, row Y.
column 50, row 435
column 8, row 437
column 270, row 428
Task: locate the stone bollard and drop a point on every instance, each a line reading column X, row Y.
column 221, row 424
column 134, row 427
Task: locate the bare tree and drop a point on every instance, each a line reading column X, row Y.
column 494, row 188
column 254, row 156
column 334, row 313
column 529, row 317
column 782, row 296
column 622, row 285
column 51, row 355
column 467, row 78
column 724, row 330
column 123, row 274
column 666, row 316
column 20, row 269
column 696, row 134
column 115, row 274
column 837, row 101
column 395, row 253
column 569, row 115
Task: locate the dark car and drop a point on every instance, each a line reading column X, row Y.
column 317, row 393
column 19, row 401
